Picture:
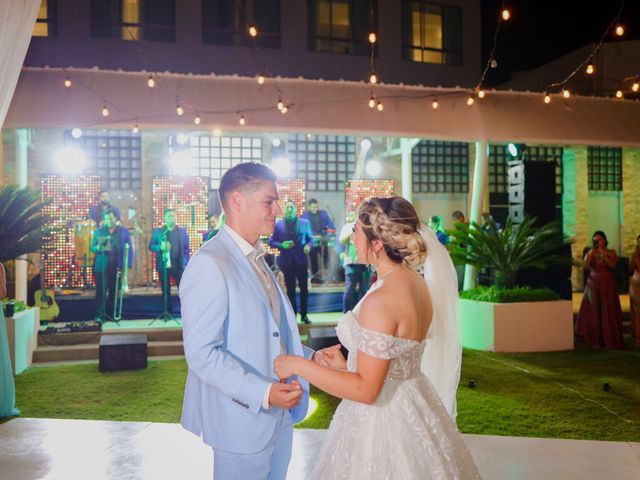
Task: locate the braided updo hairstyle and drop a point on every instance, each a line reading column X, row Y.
column 394, row 221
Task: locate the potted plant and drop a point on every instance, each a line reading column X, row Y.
column 505, row 317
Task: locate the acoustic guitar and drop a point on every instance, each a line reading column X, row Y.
column 45, row 300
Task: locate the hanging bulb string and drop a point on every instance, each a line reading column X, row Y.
column 493, row 48
column 90, row 89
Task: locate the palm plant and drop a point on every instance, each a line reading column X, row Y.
column 508, row 250
column 22, row 226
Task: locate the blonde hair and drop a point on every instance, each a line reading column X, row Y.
column 394, row 221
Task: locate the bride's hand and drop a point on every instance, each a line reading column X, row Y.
column 284, row 366
column 331, row 357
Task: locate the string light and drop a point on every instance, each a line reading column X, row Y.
column 380, row 106
column 372, row 102
column 481, row 93
column 547, row 98
column 619, row 30
column 284, row 109
column 67, row 82
column 260, row 79
column 435, row 104
column 242, row 120
column 373, row 78
column 590, row 69
column 619, row 94
column 151, row 82
column 635, row 87
column 494, row 63
column 506, row 14
column 372, row 38
column 253, row 31
column 105, row 110
column 470, row 100
column 280, row 105
column 197, row 120
column 566, row 93
column 136, row 129
column 179, row 109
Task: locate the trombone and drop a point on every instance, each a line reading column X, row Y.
column 122, row 285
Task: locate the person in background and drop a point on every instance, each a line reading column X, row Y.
column 458, row 217
column 634, row 293
column 170, row 243
column 435, row 224
column 356, row 275
column 600, row 316
column 215, row 224
column 293, row 237
column 321, row 227
column 96, row 212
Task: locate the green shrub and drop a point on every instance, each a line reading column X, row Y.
column 495, row 294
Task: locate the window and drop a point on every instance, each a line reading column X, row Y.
column 324, row 161
column 226, row 22
column 115, row 155
column 46, row 24
column 153, row 20
column 431, row 33
column 605, row 168
column 341, row 26
column 440, row 167
column 215, row 155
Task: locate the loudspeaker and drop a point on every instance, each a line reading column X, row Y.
column 123, row 352
column 540, row 191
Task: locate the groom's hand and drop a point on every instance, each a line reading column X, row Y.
column 285, row 395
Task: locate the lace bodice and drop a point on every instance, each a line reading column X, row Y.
column 405, row 354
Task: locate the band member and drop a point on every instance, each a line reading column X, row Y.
column 356, row 275
column 321, row 226
column 292, row 236
column 214, row 225
column 96, row 211
column 171, row 246
column 108, row 244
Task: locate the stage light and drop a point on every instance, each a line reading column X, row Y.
column 76, row 133
column 70, row 160
column 373, row 168
column 590, row 69
column 151, row 82
column 281, row 166
column 276, row 142
column 182, row 138
column 182, row 163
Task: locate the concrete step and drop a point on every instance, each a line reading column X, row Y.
column 90, row 351
column 77, row 338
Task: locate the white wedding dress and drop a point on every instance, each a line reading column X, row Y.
column 406, row 433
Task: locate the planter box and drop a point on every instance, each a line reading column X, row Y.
column 517, row 327
column 22, row 330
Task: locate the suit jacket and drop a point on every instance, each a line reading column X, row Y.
column 326, row 221
column 156, row 240
column 295, row 256
column 95, row 213
column 123, row 237
column 230, row 341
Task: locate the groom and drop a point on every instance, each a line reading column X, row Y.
column 236, row 321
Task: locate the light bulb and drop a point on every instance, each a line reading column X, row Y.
column 635, row 87
column 380, row 106
column 494, row 63
column 619, row 30
column 260, row 79
column 197, row 120
column 284, row 109
column 105, row 111
column 136, row 129
column 151, row 82
column 547, row 98
column 253, row 31
column 373, row 78
column 67, row 82
column 372, row 37
column 566, row 93
column 280, row 105
column 372, row 102
column 481, row 93
column 470, row 101
column 590, row 69
column 619, row 94
column 242, row 120
column 506, row 14
column 435, row 104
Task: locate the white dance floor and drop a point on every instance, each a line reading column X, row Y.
column 33, row 448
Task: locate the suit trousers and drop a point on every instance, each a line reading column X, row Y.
column 105, row 290
column 166, row 276
column 299, row 273
column 269, row 464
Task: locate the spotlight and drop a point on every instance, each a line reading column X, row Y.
column 70, row 160
column 281, row 166
column 76, row 133
column 373, row 168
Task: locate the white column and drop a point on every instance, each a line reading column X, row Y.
column 22, row 144
column 480, row 188
column 407, row 169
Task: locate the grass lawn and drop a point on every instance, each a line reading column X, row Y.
column 541, row 395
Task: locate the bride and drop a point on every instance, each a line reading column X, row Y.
column 395, row 421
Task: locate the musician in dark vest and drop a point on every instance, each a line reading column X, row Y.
column 108, row 244
column 321, row 227
column 293, row 237
column 170, row 243
column 97, row 211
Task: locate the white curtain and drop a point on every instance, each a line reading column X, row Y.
column 17, row 18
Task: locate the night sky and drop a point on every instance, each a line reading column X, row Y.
column 540, row 30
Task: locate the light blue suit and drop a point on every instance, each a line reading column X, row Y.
column 231, row 340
